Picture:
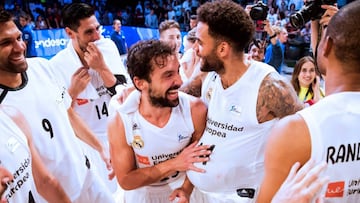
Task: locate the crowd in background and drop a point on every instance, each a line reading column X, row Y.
column 150, row 13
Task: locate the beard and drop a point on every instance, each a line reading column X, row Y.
column 212, row 63
column 162, row 101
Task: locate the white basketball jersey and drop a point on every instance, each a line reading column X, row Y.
column 92, row 104
column 334, row 128
column 44, row 105
column 15, row 157
column 237, row 160
column 153, row 145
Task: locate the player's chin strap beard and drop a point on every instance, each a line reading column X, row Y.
column 316, row 53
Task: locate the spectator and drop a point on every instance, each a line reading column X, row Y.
column 27, row 35
column 51, row 18
column 256, row 50
column 118, row 37
column 151, row 20
column 306, row 81
column 275, row 51
column 40, row 23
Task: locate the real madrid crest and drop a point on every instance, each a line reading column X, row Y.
column 137, row 142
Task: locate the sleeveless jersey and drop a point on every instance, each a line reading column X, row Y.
column 236, row 162
column 92, row 104
column 334, row 128
column 44, row 105
column 15, row 156
column 153, row 145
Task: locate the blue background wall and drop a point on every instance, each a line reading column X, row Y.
column 49, row 42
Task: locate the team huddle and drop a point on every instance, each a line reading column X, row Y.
column 70, row 135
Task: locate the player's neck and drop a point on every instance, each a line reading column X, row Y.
column 158, row 116
column 233, row 71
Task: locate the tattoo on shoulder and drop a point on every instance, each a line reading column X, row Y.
column 277, row 97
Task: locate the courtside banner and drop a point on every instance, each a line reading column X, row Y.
column 49, row 42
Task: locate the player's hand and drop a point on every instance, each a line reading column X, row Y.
column 301, row 186
column 190, row 155
column 105, row 157
column 179, row 196
column 329, row 13
column 79, row 80
column 122, row 92
column 5, row 177
column 94, row 57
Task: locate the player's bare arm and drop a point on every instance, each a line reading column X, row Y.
column 123, row 160
column 288, row 143
column 276, row 99
column 193, row 87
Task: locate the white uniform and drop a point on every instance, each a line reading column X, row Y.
column 334, row 128
column 153, row 145
column 236, row 164
column 15, row 156
column 44, row 105
column 92, row 104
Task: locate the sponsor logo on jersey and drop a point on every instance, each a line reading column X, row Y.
column 81, row 101
column 335, row 189
column 183, row 137
column 235, row 109
column 12, row 144
column 142, row 159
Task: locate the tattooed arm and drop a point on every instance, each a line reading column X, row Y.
column 276, row 99
column 193, row 86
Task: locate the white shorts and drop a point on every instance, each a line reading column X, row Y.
column 98, row 165
column 94, row 190
column 157, row 194
column 231, row 197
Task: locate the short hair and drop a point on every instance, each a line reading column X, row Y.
column 191, row 35
column 227, row 21
column 72, row 14
column 260, row 44
column 145, row 54
column 167, row 24
column 193, row 17
column 24, row 15
column 297, row 69
column 5, row 16
column 116, row 20
column 344, row 31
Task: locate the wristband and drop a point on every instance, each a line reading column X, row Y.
column 272, row 36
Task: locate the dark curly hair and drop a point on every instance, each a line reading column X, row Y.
column 144, row 55
column 72, row 14
column 227, row 21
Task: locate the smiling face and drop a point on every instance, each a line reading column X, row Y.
column 307, row 74
column 12, row 49
column 206, row 49
column 165, row 82
column 172, row 35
